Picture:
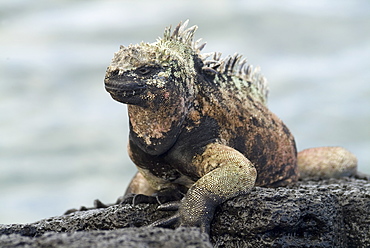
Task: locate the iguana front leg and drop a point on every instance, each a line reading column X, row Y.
column 225, row 173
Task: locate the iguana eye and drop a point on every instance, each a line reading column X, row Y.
column 145, row 71
column 115, row 73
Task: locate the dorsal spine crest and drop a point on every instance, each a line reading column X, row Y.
column 232, row 65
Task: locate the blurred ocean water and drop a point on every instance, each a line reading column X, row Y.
column 63, row 139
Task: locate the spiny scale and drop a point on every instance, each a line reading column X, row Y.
column 232, row 65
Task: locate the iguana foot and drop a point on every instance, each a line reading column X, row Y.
column 187, row 213
column 97, row 204
column 160, row 197
column 171, row 221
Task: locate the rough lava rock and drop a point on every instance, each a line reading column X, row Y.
column 323, row 213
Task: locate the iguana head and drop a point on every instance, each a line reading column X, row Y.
column 154, row 74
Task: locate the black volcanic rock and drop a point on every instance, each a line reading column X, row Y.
column 325, row 213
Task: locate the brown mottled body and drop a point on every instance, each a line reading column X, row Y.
column 198, row 126
column 248, row 126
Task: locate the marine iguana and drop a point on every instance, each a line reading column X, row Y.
column 200, row 128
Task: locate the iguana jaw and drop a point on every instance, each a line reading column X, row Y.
column 128, row 93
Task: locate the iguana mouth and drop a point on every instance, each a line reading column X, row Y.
column 124, row 92
column 129, row 89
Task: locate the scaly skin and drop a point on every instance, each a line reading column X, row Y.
column 201, row 126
